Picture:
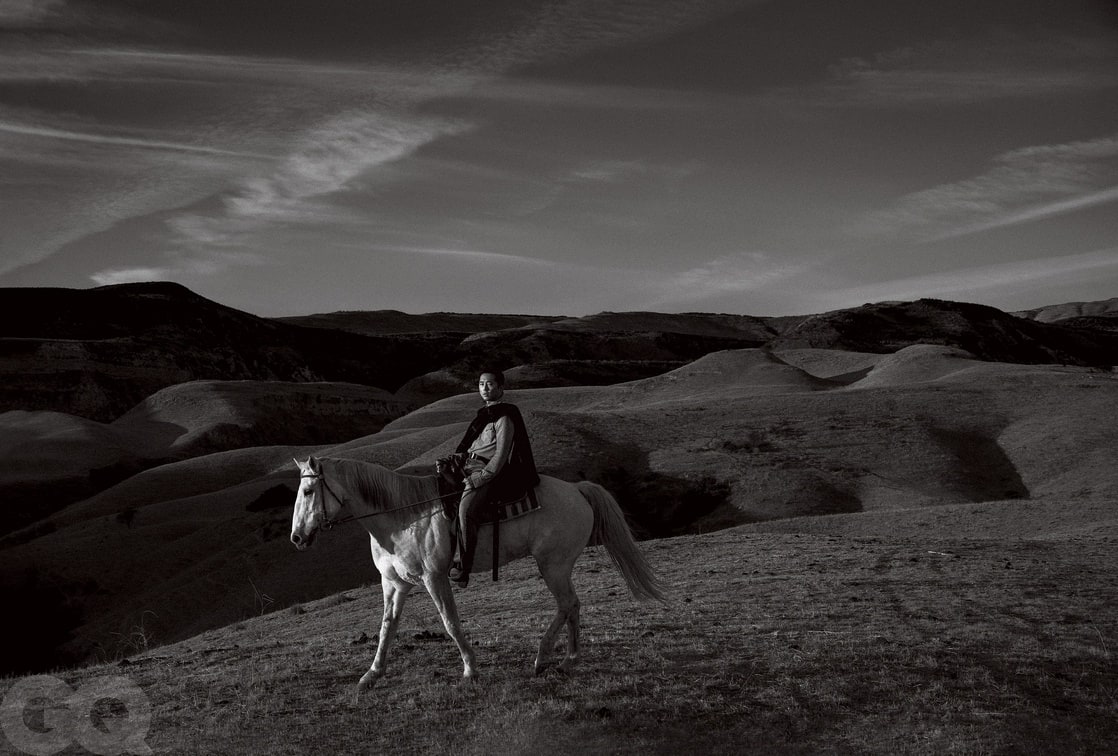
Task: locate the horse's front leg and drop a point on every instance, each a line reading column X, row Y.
column 395, row 594
column 439, row 587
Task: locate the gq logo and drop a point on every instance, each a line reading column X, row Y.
column 42, row 715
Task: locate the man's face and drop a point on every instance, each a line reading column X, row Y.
column 489, row 389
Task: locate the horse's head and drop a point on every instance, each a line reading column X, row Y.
column 314, row 507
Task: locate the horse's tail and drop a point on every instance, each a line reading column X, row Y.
column 611, row 531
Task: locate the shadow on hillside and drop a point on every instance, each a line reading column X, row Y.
column 29, row 502
column 280, row 496
column 661, row 506
column 49, row 610
column 986, row 472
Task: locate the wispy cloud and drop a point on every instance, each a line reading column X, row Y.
column 984, row 281
column 177, row 267
column 390, row 84
column 339, row 151
column 117, row 141
column 967, row 70
column 20, row 13
column 114, row 276
column 613, row 171
column 573, row 27
column 335, row 153
column 477, row 256
column 327, row 126
column 860, row 84
column 328, row 159
column 1022, row 186
column 730, row 274
column 1037, row 212
column 530, row 91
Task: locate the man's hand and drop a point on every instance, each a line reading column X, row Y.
column 450, row 468
column 479, row 479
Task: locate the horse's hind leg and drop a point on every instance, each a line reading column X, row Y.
column 559, row 581
column 394, row 598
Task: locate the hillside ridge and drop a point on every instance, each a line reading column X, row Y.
column 98, row 352
column 880, row 417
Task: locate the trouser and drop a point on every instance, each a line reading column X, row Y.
column 470, row 509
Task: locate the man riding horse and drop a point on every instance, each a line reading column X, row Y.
column 496, row 459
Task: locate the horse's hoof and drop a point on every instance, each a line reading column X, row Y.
column 551, row 669
column 363, row 686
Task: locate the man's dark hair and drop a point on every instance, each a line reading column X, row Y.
column 496, row 374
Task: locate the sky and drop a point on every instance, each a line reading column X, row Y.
column 760, row 157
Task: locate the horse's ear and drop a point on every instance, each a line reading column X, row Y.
column 297, row 463
column 313, row 465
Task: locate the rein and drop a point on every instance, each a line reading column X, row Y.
column 328, row 523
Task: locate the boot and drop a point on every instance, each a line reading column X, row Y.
column 460, row 570
column 459, row 576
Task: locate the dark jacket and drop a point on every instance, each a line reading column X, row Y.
column 519, row 475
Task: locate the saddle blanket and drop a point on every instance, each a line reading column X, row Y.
column 503, row 512
column 510, row 510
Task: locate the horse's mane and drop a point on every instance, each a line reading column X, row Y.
column 377, row 486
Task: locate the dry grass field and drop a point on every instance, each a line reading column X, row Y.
column 909, row 552
column 769, row 643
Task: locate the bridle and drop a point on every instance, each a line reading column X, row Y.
column 328, row 523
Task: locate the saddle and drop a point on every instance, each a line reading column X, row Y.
column 451, row 484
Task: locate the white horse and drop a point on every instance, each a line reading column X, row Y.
column 410, row 538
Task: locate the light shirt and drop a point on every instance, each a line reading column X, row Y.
column 495, row 444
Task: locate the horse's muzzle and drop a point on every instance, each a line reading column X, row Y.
column 302, row 543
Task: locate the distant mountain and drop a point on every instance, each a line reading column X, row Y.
column 213, row 378
column 384, row 322
column 747, row 328
column 1072, row 310
column 538, row 352
column 98, row 352
column 985, row 332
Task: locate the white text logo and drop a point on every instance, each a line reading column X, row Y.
column 42, row 715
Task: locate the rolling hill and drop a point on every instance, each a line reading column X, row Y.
column 1107, row 308
column 173, row 516
column 985, row 332
column 53, row 459
column 98, row 352
column 736, row 437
